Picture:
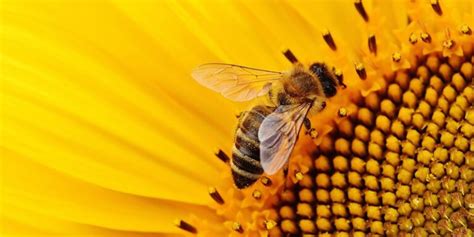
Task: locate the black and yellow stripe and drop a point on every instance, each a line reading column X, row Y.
column 245, row 165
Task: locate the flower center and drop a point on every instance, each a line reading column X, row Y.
column 402, row 164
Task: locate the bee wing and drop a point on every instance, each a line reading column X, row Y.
column 235, row 82
column 278, row 133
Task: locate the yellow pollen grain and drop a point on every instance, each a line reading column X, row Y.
column 323, row 224
column 424, row 108
column 375, row 151
column 342, row 224
column 342, row 146
column 458, row 82
column 402, row 78
column 392, row 158
column 338, row 180
column 354, row 194
column 371, row 197
column 339, row 209
column 429, row 143
column 403, row 192
column 322, row 163
column 365, row 116
column 289, row 226
column 322, row 196
column 389, row 199
column 346, row 128
column 431, row 96
column 405, row 115
column 446, row 72
column 323, row 211
column 355, row 209
column 423, row 73
column 359, row 224
column 387, row 107
column 417, row 87
column 404, row 209
column 362, row 133
column 377, row 137
column 376, row 227
column 449, row 93
column 359, row 148
column 371, row 182
column 287, row 212
column 382, row 122
column 409, row 99
column 304, row 210
column 394, row 93
column 443, row 105
column 307, row 226
column 341, row 163
column 322, row 180
column 337, row 195
column 436, row 83
column 398, row 129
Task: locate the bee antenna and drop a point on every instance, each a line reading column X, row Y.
column 290, row 56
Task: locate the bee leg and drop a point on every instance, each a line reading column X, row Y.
column 309, row 130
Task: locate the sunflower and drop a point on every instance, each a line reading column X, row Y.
column 103, row 131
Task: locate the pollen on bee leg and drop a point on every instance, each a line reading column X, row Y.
column 372, row 43
column 290, row 56
column 215, row 195
column 185, row 226
column 360, row 69
column 436, row 7
column 222, row 155
column 360, row 8
column 329, row 40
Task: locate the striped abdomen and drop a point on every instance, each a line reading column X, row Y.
column 245, row 164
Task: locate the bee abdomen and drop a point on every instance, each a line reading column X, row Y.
column 245, row 165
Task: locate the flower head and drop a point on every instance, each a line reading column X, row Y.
column 104, row 132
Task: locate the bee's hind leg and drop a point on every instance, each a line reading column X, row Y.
column 309, row 130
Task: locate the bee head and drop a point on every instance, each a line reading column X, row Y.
column 326, row 77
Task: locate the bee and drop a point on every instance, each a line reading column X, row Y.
column 266, row 135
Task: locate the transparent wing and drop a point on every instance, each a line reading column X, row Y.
column 278, row 133
column 235, row 82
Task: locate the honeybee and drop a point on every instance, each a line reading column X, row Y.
column 266, row 135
